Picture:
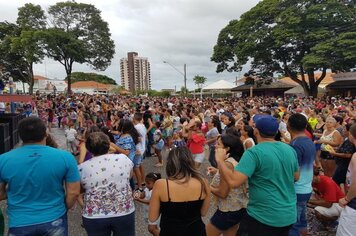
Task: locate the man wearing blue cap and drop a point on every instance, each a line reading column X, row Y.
column 271, row 168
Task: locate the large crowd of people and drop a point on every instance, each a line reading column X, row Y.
column 275, row 165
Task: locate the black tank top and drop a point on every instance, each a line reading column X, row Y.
column 182, row 218
column 352, row 203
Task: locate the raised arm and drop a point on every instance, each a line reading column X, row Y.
column 234, row 178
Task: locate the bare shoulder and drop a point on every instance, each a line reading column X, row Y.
column 159, row 185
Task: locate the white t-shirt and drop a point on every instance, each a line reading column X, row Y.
column 106, row 181
column 2, row 107
column 282, row 126
column 220, row 111
column 141, row 146
column 148, row 194
column 176, row 122
column 70, row 134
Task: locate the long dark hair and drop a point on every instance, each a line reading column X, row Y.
column 249, row 131
column 233, row 142
column 180, row 165
column 216, row 122
column 105, row 130
column 127, row 127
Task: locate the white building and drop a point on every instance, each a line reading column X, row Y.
column 42, row 84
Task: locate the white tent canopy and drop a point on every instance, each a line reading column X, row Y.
column 219, row 85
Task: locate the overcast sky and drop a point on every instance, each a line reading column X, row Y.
column 177, row 31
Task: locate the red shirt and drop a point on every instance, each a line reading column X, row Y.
column 309, row 135
column 196, row 143
column 329, row 190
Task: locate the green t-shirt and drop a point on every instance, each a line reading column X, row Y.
column 270, row 167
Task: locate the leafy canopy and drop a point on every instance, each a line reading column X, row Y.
column 81, row 76
column 19, row 43
column 78, row 34
column 199, row 80
column 291, row 37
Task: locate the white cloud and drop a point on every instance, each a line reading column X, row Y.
column 180, row 31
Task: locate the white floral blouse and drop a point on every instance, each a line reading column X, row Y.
column 106, row 181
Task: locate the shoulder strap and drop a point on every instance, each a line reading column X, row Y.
column 169, row 198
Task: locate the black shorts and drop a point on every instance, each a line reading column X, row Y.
column 225, row 220
column 252, row 227
column 340, row 174
column 326, row 156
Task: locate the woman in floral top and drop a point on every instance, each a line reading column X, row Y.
column 108, row 203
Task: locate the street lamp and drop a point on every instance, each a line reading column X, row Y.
column 184, row 74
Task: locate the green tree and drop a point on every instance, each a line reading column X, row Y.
column 117, row 90
column 20, row 47
column 199, row 81
column 80, row 35
column 10, row 60
column 291, row 37
column 184, row 90
column 81, row 76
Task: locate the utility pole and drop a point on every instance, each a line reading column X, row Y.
column 184, row 73
column 185, row 78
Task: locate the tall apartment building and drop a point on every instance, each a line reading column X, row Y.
column 135, row 72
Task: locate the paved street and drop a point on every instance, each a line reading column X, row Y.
column 74, row 216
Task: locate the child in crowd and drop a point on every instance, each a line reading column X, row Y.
column 145, row 197
column 158, row 143
column 64, row 120
column 178, row 139
column 140, row 148
column 196, row 141
column 71, row 135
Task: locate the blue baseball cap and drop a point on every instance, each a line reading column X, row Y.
column 266, row 124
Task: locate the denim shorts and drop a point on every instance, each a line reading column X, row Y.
column 137, row 161
column 302, row 200
column 225, row 220
column 58, row 227
column 159, row 145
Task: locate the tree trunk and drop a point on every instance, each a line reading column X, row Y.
column 313, row 87
column 32, row 80
column 69, row 87
column 313, row 91
column 68, row 67
column 23, row 87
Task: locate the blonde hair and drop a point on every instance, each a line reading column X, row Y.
column 330, row 118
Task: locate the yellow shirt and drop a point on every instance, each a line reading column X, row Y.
column 313, row 122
